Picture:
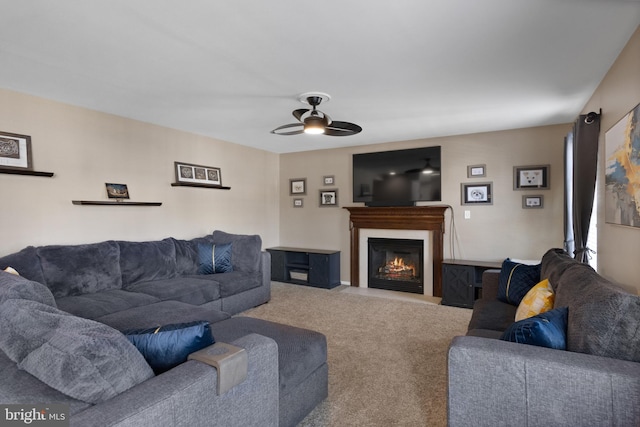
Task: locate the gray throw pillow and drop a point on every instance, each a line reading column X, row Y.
column 81, row 269
column 86, row 360
column 246, row 250
column 603, row 320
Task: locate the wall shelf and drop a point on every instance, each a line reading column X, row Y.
column 110, row 203
column 190, row 184
column 26, row 172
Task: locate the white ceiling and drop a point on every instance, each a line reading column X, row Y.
column 401, row 69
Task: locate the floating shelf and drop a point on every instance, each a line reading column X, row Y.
column 110, row 203
column 26, row 172
column 189, row 184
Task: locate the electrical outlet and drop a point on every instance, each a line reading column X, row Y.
column 467, row 214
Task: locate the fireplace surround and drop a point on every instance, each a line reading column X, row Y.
column 429, row 218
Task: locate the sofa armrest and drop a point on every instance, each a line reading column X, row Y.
column 493, row 382
column 490, row 280
column 186, row 395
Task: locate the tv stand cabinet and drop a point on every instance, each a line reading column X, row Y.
column 311, row 267
column 462, row 281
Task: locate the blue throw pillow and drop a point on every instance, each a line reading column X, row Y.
column 548, row 329
column 516, row 280
column 168, row 346
column 214, row 258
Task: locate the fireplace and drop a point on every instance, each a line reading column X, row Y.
column 412, row 220
column 396, row 264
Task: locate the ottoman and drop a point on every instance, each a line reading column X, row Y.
column 302, row 363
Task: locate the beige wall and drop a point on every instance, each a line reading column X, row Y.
column 618, row 93
column 493, row 232
column 85, row 149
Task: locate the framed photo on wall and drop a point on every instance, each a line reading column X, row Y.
column 197, row 174
column 328, row 180
column 476, row 171
column 531, row 177
column 297, row 186
column 15, row 151
column 117, row 191
column 476, row 194
column 532, row 202
column 298, row 203
column 328, row 198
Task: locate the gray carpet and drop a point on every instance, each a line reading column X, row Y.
column 387, row 358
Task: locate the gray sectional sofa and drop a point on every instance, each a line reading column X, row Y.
column 61, row 340
column 594, row 382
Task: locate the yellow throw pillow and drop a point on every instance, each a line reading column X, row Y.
column 11, row 270
column 539, row 299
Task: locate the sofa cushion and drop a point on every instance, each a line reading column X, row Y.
column 300, row 351
column 515, row 281
column 235, row 282
column 604, row 320
column 539, row 299
column 91, row 306
column 492, row 314
column 160, row 313
column 144, row 261
column 18, row 287
column 81, row 358
column 548, row 329
column 214, row 258
column 186, row 257
column 26, row 263
column 245, row 253
column 191, row 290
column 81, row 269
column 168, row 346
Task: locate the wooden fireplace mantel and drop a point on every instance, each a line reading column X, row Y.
column 429, row 218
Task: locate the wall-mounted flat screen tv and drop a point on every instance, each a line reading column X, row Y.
column 398, row 177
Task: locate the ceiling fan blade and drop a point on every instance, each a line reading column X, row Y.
column 336, row 128
column 279, row 130
column 298, row 113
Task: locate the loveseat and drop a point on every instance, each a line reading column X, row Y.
column 63, row 322
column 594, row 381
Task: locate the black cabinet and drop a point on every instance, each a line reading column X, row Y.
column 462, row 281
column 311, row 267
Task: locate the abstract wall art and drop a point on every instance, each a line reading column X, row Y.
column 622, row 175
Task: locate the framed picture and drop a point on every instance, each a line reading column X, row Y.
column 298, row 186
column 197, row 174
column 531, row 177
column 476, row 194
column 298, row 203
column 117, row 191
column 15, row 151
column 476, row 171
column 622, row 201
column 329, row 197
column 532, row 202
column 328, row 180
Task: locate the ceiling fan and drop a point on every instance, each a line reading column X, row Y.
column 315, row 122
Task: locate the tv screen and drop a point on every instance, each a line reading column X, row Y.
column 398, row 177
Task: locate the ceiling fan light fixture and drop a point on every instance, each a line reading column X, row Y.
column 314, row 125
column 315, row 122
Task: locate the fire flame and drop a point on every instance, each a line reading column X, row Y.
column 397, row 265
